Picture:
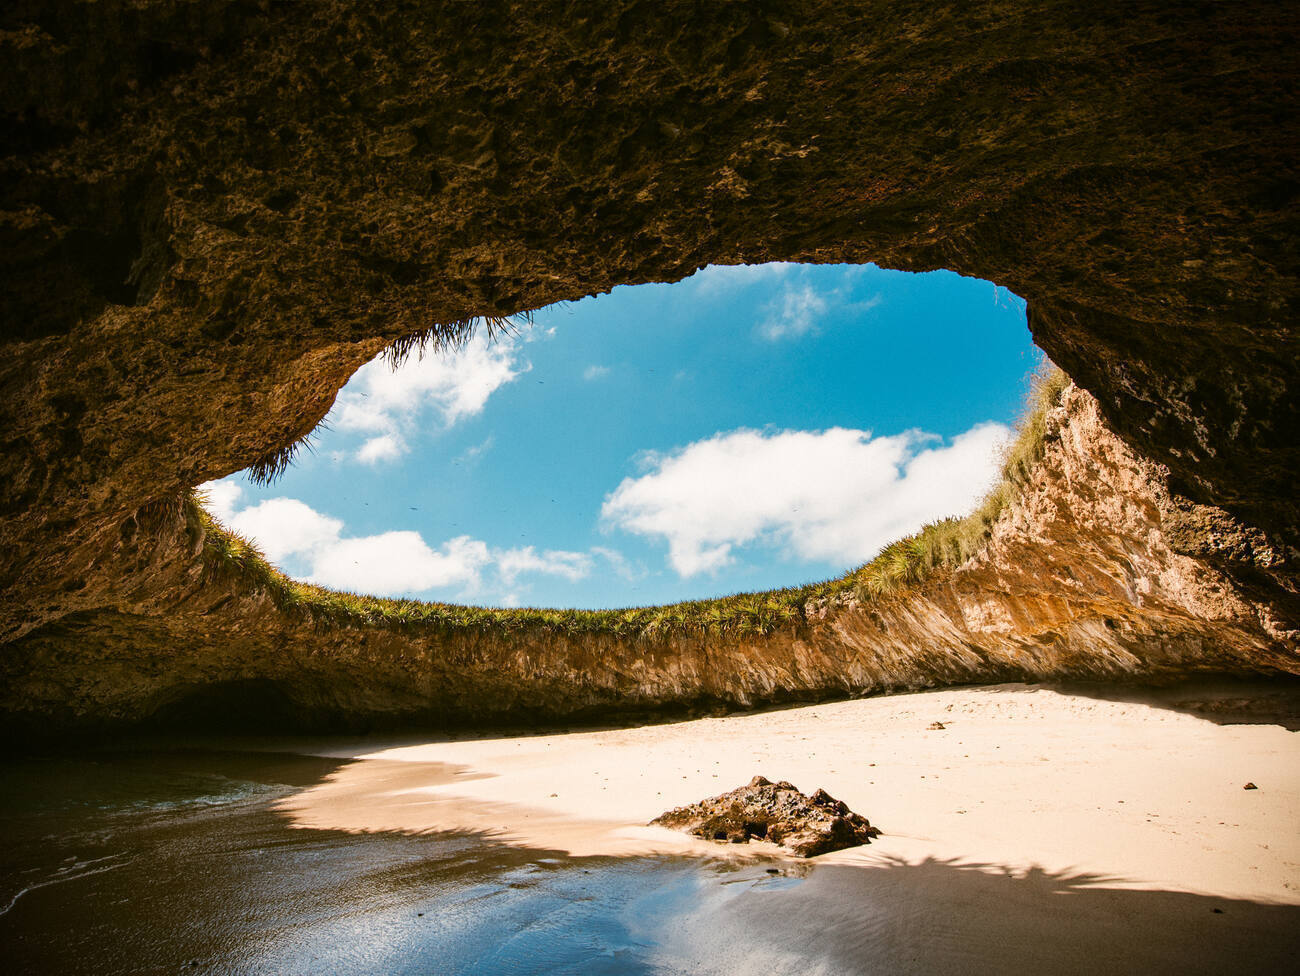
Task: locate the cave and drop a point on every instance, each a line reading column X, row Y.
column 250, row 706
column 215, row 213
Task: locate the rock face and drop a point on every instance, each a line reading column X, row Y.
column 776, row 812
column 212, row 213
column 1075, row 581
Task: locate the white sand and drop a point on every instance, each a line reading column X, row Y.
column 1022, row 780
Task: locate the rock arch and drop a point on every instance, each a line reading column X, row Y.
column 213, row 213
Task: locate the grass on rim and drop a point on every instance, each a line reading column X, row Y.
column 900, row 565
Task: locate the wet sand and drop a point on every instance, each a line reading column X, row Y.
column 1109, row 818
column 1039, row 831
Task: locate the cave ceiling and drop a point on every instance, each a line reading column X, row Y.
column 212, row 213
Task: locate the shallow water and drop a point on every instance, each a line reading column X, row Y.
column 167, row 862
column 178, row 862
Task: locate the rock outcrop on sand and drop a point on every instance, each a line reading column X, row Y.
column 776, row 812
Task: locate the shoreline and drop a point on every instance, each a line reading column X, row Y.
column 1006, row 848
column 1141, row 795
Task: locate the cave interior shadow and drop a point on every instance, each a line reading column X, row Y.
column 1221, row 699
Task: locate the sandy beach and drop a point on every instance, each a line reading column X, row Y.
column 1135, row 810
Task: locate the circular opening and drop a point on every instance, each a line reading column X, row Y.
column 747, row 428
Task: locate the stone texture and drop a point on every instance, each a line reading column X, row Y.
column 212, row 212
column 1076, row 581
column 776, row 812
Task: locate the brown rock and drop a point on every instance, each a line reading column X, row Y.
column 192, row 270
column 777, row 812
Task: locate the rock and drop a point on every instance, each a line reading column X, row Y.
column 181, row 301
column 777, row 812
column 935, row 726
column 1250, row 786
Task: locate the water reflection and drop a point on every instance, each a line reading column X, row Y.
column 166, row 862
column 179, row 862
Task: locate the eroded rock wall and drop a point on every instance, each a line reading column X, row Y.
column 1077, row 581
column 212, row 212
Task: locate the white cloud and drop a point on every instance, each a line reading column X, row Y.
column 284, row 527
column 594, row 372
column 471, row 455
column 838, row 495
column 572, row 566
column 388, row 564
column 393, row 563
column 800, row 306
column 719, row 278
column 620, row 564
column 794, row 313
column 391, row 403
column 385, row 447
column 220, row 498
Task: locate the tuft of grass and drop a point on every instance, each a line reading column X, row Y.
column 270, row 467
column 451, row 336
column 938, row 547
column 1026, row 450
column 443, row 337
column 949, row 542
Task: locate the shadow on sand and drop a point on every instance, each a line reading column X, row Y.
column 180, row 863
column 947, row 917
column 1221, row 700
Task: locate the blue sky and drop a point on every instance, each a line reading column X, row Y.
column 749, row 427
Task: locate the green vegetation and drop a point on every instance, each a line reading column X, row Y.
column 938, row 547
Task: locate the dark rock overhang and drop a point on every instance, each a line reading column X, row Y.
column 214, row 212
